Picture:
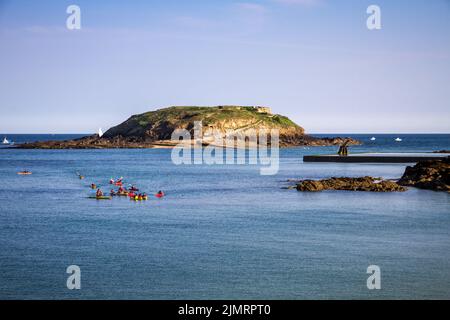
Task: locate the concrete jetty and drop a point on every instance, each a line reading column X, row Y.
column 376, row 157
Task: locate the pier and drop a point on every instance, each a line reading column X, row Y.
column 376, row 157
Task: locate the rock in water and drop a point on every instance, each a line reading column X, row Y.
column 431, row 174
column 350, row 184
column 442, row 151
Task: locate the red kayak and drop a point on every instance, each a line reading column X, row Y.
column 159, row 195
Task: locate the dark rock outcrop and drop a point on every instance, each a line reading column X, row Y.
column 350, row 184
column 442, row 151
column 431, row 174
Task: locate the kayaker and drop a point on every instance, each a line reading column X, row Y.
column 99, row 193
column 160, row 194
column 121, row 190
column 111, row 181
column 93, row 186
column 112, row 193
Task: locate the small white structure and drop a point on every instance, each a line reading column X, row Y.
column 5, row 141
column 373, row 139
column 100, row 132
column 398, row 140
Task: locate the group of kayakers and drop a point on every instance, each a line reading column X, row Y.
column 132, row 192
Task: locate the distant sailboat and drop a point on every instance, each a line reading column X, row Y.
column 100, row 132
column 398, row 140
column 5, row 141
column 373, row 139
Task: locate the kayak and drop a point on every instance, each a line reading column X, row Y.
column 122, row 194
column 159, row 195
column 24, row 173
column 100, row 198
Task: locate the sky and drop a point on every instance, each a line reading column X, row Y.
column 314, row 61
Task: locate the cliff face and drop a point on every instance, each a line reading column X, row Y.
column 155, row 128
column 159, row 125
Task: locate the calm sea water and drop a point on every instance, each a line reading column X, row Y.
column 221, row 232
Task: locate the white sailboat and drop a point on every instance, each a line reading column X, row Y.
column 373, row 139
column 398, row 140
column 5, row 141
column 100, row 132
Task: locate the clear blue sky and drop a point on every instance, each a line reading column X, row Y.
column 312, row 60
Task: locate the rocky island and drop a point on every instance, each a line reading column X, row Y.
column 154, row 129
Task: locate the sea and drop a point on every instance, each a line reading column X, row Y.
column 221, row 231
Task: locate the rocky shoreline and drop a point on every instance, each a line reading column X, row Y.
column 431, row 175
column 95, row 142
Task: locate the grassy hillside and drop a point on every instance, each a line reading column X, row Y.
column 210, row 115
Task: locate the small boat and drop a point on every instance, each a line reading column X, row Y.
column 398, row 140
column 24, row 173
column 5, row 141
column 373, row 139
column 160, row 194
column 100, row 198
column 100, row 132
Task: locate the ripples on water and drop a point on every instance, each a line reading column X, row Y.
column 221, row 232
